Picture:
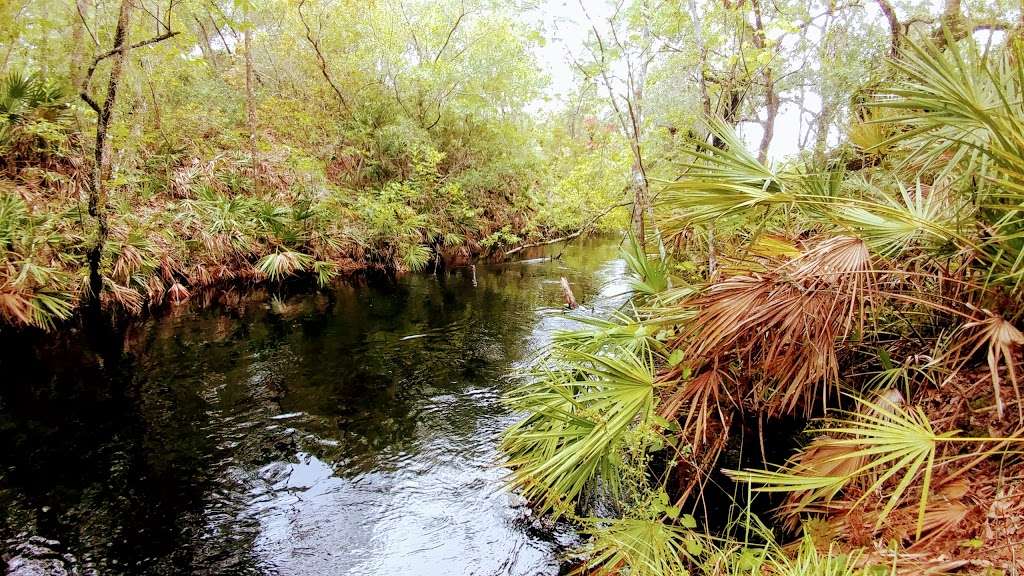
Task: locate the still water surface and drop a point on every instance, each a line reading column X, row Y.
column 350, row 432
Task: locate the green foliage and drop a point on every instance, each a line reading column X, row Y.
column 33, row 116
column 819, row 272
column 582, row 408
column 639, row 547
column 650, row 276
column 34, row 288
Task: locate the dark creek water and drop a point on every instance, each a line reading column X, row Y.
column 351, row 431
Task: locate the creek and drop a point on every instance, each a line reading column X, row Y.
column 349, row 431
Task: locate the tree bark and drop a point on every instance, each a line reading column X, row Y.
column 321, row 60
column 771, row 97
column 104, row 115
column 101, row 168
column 204, row 44
column 75, row 63
column 698, row 35
column 250, row 99
column 951, row 19
column 821, row 135
column 895, row 28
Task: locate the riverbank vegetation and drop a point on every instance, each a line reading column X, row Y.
column 152, row 148
column 865, row 296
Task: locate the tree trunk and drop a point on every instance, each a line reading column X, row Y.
column 821, row 135
column 75, row 69
column 204, row 44
column 250, row 100
column 895, row 28
column 771, row 98
column 101, row 169
column 698, row 36
column 771, row 112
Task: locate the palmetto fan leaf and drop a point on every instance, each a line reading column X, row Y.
column 960, row 119
column 650, row 276
column 618, row 332
column 884, row 449
column 953, row 105
column 720, row 181
column 730, row 181
column 891, row 224
column 784, row 326
column 638, row 547
column 581, row 411
column 278, row 265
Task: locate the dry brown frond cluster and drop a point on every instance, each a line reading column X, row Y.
column 927, row 476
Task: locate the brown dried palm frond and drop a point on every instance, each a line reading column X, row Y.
column 123, row 296
column 200, row 275
column 129, row 260
column 709, row 406
column 947, row 514
column 177, row 293
column 15, row 307
column 1002, row 341
column 881, row 459
column 702, row 398
column 822, row 458
column 155, row 288
column 784, row 326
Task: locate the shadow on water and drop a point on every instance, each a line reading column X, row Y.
column 350, row 431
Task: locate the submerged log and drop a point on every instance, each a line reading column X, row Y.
column 570, row 300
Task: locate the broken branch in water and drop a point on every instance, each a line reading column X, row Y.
column 572, row 236
column 570, row 300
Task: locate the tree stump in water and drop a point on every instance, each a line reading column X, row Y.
column 570, row 300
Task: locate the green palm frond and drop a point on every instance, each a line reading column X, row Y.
column 598, row 335
column 279, row 265
column 953, row 105
column 416, row 257
column 884, row 448
column 639, row 547
column 649, row 276
column 719, row 182
column 892, row 224
column 580, row 407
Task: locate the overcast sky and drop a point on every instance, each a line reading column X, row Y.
column 566, row 28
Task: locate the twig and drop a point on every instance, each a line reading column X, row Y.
column 575, row 234
column 320, row 57
column 101, row 57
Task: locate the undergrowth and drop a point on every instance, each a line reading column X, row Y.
column 879, row 306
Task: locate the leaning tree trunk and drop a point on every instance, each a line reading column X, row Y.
column 101, row 169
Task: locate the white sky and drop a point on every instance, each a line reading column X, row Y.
column 566, row 28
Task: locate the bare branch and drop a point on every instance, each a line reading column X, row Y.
column 451, row 32
column 568, row 237
column 315, row 43
column 84, row 92
column 81, row 14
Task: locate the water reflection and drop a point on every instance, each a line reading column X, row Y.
column 348, row 432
